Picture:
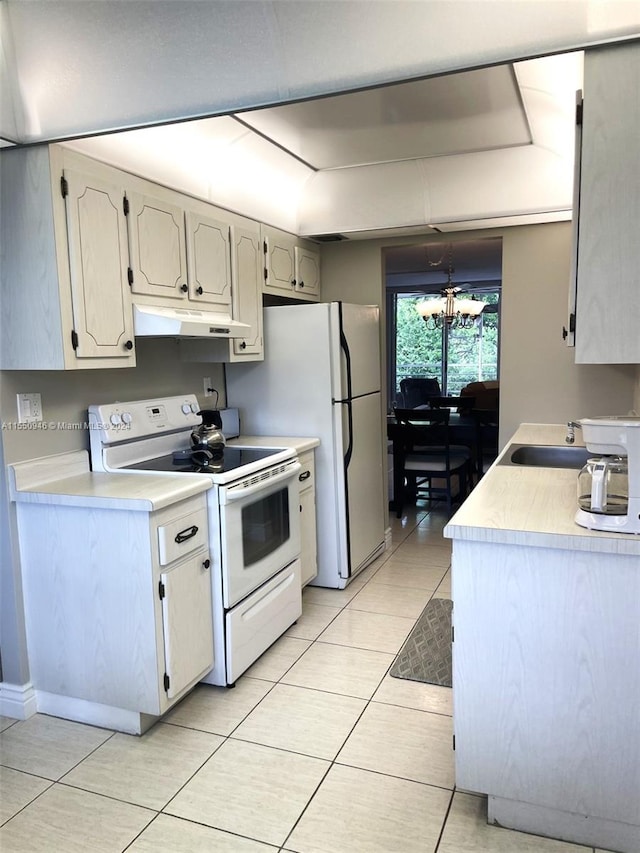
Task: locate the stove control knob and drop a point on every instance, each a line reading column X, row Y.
column 115, row 419
column 186, row 409
column 126, row 418
column 195, row 408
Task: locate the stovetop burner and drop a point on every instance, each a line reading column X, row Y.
column 183, row 461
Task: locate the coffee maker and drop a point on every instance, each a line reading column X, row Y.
column 609, row 484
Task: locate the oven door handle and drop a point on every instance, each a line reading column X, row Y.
column 238, row 493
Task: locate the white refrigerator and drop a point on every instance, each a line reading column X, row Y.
column 321, row 377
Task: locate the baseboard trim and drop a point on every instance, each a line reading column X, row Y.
column 94, row 714
column 17, row 701
column 564, row 826
column 388, row 537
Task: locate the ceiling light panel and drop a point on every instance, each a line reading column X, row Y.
column 455, row 114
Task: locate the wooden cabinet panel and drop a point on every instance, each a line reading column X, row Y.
column 64, row 253
column 308, row 530
column 247, row 294
column 545, row 677
column 157, row 247
column 208, row 261
column 98, row 263
column 279, row 256
column 307, row 272
column 608, row 298
column 187, row 622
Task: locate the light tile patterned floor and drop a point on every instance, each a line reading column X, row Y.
column 316, row 750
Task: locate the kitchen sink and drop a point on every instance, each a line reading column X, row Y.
column 546, row 456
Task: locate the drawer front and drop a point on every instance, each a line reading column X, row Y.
column 258, row 621
column 307, row 476
column 182, row 535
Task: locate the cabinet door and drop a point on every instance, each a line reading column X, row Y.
column 307, row 272
column 308, row 548
column 187, row 622
column 279, row 255
column 247, row 293
column 608, row 298
column 209, row 261
column 97, row 242
column 157, row 247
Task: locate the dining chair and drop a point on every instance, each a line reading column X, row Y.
column 486, row 437
column 425, row 461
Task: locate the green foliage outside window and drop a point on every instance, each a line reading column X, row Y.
column 473, row 352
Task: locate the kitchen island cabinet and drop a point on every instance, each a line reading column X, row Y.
column 66, row 303
column 546, row 679
column 117, row 590
column 607, row 301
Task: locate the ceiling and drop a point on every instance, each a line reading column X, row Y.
column 436, row 116
column 475, row 264
column 487, row 147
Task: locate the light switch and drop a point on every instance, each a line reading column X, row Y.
column 29, row 408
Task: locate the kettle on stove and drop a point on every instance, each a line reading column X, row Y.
column 209, row 436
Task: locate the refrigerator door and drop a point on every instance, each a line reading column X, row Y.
column 356, row 335
column 361, row 512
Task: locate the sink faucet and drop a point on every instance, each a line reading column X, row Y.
column 572, row 426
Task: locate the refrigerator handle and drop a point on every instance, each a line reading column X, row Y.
column 347, row 354
column 349, row 451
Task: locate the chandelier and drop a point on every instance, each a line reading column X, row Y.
column 450, row 310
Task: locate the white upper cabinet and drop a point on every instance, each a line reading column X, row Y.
column 247, row 291
column 98, row 262
column 607, row 312
column 208, row 260
column 307, row 272
column 291, row 266
column 178, row 252
column 65, row 295
column 279, row 261
column 157, row 247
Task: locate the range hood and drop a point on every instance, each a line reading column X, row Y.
column 157, row 321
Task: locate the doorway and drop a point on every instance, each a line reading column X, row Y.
column 453, row 353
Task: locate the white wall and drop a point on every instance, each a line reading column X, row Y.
column 539, row 380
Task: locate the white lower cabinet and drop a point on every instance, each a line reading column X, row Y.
column 115, row 637
column 546, row 689
column 308, row 534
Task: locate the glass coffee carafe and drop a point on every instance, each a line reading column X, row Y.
column 603, row 485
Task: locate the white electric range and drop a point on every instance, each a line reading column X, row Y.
column 253, row 515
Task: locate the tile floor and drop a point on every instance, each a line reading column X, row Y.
column 316, row 750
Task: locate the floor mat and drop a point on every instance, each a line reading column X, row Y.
column 426, row 654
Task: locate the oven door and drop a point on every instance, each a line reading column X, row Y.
column 259, row 529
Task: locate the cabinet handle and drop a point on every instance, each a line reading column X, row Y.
column 305, row 475
column 184, row 288
column 128, row 345
column 293, row 282
column 301, row 284
column 199, row 291
column 206, row 564
column 187, row 533
column 243, row 345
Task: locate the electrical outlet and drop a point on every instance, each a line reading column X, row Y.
column 208, row 388
column 29, row 408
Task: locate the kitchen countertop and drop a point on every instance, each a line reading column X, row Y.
column 534, row 506
column 300, row 444
column 65, row 480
